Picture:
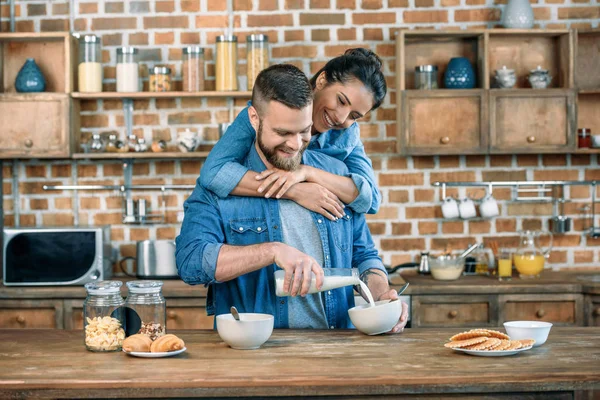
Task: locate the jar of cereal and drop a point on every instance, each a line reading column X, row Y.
column 146, row 308
column 104, row 316
column 160, row 79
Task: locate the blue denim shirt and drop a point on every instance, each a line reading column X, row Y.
column 211, row 221
column 223, row 168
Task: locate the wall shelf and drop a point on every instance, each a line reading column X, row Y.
column 144, row 155
column 158, row 95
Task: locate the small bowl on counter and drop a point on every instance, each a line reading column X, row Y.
column 536, row 330
column 447, row 267
column 249, row 333
column 373, row 320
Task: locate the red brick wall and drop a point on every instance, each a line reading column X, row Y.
column 306, row 33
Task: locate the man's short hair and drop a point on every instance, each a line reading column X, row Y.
column 283, row 83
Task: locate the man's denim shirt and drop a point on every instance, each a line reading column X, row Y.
column 222, row 170
column 211, row 221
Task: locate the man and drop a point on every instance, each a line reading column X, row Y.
column 235, row 244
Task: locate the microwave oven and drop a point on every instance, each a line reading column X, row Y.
column 56, row 256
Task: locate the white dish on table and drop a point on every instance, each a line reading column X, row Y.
column 536, row 330
column 147, row 354
column 492, row 353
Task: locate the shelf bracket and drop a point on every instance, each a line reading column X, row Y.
column 128, row 117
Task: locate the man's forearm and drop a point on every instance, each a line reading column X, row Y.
column 234, row 261
column 342, row 186
column 377, row 282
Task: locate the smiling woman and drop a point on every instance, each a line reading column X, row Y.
column 344, row 90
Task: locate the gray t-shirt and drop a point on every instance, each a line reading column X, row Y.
column 300, row 232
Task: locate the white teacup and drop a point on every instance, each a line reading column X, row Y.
column 466, row 209
column 450, row 208
column 489, row 207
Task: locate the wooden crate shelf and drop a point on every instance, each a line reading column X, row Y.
column 145, row 155
column 157, row 95
column 587, row 46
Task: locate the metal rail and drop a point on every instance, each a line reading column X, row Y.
column 121, row 188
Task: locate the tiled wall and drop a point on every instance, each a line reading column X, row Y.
column 306, row 33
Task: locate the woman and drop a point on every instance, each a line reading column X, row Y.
column 345, row 89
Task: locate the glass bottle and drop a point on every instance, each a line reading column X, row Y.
column 128, row 76
column 146, row 309
column 160, row 79
column 584, row 138
column 90, row 66
column 193, row 69
column 257, row 57
column 481, row 262
column 530, row 256
column 426, row 77
column 334, row 278
column 96, row 144
column 226, row 64
column 104, row 316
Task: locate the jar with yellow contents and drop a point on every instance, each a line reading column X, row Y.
column 257, row 57
column 226, row 63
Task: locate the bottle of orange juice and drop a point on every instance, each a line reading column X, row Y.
column 530, row 257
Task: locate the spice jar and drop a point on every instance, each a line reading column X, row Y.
column 103, row 316
column 90, row 68
column 112, row 144
column 128, row 76
column 160, row 79
column 146, row 309
column 257, row 57
column 584, row 138
column 226, row 64
column 426, row 77
column 193, row 69
column 96, row 144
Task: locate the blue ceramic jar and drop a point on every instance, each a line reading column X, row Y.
column 30, row 78
column 459, row 74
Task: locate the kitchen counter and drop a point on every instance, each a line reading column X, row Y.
column 54, row 363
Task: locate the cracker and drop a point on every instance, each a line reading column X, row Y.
column 486, row 345
column 465, row 343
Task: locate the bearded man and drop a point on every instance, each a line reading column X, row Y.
column 235, row 244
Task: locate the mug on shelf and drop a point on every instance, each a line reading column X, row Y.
column 489, row 207
column 466, row 208
column 450, row 208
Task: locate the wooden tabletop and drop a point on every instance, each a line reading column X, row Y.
column 54, row 363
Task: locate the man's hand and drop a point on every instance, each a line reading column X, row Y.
column 298, row 266
column 318, row 199
column 393, row 295
column 278, row 181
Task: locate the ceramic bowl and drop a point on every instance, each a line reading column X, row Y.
column 536, row 330
column 596, row 141
column 249, row 333
column 378, row 319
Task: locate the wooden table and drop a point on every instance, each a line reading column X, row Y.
column 54, row 363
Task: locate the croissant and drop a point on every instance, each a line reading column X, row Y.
column 137, row 342
column 166, row 343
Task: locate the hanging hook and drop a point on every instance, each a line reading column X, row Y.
column 490, row 188
column 443, row 191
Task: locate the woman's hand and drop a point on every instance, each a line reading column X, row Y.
column 318, row 199
column 278, row 181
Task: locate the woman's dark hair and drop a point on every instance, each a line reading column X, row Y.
column 360, row 64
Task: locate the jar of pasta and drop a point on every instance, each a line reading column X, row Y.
column 104, row 316
column 257, row 57
column 226, row 64
column 193, row 69
column 89, row 70
column 146, row 309
column 160, row 79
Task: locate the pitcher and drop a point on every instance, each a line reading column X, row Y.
column 530, row 256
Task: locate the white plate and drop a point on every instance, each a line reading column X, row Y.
column 154, row 355
column 491, row 353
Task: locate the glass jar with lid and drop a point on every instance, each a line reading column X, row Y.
column 146, row 309
column 193, row 69
column 257, row 57
column 90, row 65
column 104, row 316
column 226, row 64
column 160, row 79
column 426, row 77
column 128, row 77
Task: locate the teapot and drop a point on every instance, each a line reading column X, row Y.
column 530, row 256
column 539, row 78
column 188, row 141
column 505, row 78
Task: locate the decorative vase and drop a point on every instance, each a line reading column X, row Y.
column 30, row 78
column 518, row 14
column 459, row 74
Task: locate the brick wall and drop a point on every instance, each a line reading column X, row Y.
column 306, row 33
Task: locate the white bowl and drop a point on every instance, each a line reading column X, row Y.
column 447, row 268
column 536, row 330
column 378, row 319
column 249, row 333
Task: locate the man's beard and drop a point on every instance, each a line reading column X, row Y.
column 286, row 164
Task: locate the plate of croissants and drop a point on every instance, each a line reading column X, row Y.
column 140, row 345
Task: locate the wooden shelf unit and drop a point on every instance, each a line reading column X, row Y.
column 587, row 79
column 157, row 95
column 450, row 121
column 144, row 155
